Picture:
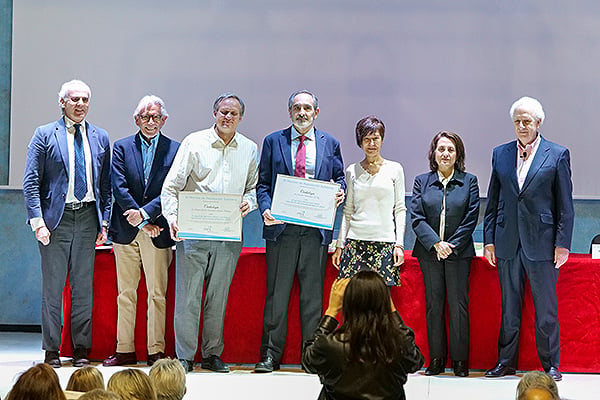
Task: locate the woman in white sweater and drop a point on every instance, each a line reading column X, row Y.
column 371, row 236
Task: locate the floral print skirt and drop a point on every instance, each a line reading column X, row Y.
column 363, row 255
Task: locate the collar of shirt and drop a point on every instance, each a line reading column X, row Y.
column 218, row 143
column 310, row 135
column 534, row 146
column 70, row 125
column 153, row 141
column 443, row 180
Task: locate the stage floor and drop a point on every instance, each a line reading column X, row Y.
column 19, row 351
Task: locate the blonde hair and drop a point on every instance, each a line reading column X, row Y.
column 131, row 384
column 86, row 379
column 168, row 378
column 537, row 380
column 99, row 394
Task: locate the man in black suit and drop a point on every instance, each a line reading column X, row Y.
column 140, row 234
column 528, row 226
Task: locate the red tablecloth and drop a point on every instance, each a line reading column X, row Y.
column 578, row 307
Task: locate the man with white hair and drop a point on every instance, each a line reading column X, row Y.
column 67, row 195
column 140, row 233
column 527, row 228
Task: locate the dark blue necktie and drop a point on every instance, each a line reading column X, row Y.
column 80, row 188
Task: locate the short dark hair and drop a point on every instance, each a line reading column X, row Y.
column 459, row 164
column 368, row 125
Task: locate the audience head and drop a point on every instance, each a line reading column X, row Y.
column 86, row 379
column 537, row 385
column 99, row 394
column 131, row 384
column 168, row 378
column 38, row 382
column 369, row 328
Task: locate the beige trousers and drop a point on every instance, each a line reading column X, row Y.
column 131, row 259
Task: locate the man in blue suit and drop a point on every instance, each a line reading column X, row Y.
column 140, row 233
column 528, row 226
column 300, row 150
column 67, row 195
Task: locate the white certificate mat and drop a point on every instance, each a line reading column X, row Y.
column 301, row 201
column 209, row 216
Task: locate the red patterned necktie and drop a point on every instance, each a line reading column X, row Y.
column 300, row 169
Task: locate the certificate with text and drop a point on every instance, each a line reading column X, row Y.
column 301, row 201
column 209, row 216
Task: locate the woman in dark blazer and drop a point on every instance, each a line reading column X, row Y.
column 444, row 210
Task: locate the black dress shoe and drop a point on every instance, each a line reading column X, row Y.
column 215, row 364
column 188, row 365
column 554, row 374
column 267, row 364
column 461, row 368
column 499, row 370
column 152, row 358
column 120, row 359
column 52, row 359
column 80, row 357
column 436, row 366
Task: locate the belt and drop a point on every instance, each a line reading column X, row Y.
column 76, row 205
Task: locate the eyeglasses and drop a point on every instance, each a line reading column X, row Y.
column 146, row 118
column 76, row 99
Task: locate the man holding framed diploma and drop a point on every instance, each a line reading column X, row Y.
column 209, row 189
column 296, row 242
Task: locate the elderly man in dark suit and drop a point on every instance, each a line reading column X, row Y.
column 527, row 231
column 67, row 195
column 300, row 150
column 140, row 234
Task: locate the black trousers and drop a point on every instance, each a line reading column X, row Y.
column 447, row 279
column 72, row 250
column 297, row 250
column 542, row 278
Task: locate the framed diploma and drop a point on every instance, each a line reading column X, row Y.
column 301, row 201
column 209, row 216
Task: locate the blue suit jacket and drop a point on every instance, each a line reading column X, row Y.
column 130, row 191
column 540, row 215
column 462, row 211
column 276, row 158
column 46, row 177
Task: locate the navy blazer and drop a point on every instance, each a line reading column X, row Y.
column 46, row 179
column 540, row 216
column 276, row 158
column 462, row 211
column 130, row 191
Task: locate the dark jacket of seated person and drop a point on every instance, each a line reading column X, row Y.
column 350, row 368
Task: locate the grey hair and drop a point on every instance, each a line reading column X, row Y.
column 148, row 101
column 228, row 95
column 537, row 380
column 297, row 92
column 74, row 84
column 529, row 104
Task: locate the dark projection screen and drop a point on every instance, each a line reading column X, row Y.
column 421, row 66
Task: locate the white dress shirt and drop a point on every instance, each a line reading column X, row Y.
column 205, row 164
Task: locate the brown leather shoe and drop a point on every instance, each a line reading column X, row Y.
column 152, row 358
column 120, row 359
